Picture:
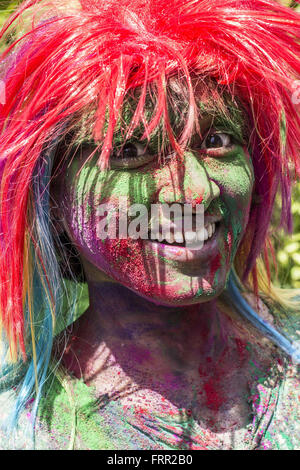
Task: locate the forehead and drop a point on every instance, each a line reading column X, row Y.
column 209, row 96
column 147, row 111
column 213, row 103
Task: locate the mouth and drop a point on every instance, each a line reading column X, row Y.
column 186, row 252
column 191, row 239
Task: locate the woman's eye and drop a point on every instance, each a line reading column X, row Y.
column 217, row 140
column 131, row 155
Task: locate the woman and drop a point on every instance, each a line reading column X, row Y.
column 150, row 103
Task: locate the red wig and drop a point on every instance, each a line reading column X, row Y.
column 74, row 64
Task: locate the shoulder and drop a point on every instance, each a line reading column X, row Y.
column 283, row 432
column 279, row 427
column 21, row 438
column 69, row 414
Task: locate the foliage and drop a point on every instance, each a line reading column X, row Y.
column 287, row 248
column 6, row 7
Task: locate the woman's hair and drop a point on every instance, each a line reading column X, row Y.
column 68, row 70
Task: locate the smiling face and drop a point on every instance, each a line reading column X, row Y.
column 215, row 171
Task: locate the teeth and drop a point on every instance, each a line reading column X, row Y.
column 156, row 236
column 201, row 235
column 209, row 231
column 189, row 236
column 170, row 239
column 179, row 238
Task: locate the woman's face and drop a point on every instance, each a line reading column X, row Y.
column 215, row 171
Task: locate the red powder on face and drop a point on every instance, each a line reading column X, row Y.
column 127, row 261
column 123, row 248
column 198, row 200
column 215, row 265
column 229, row 240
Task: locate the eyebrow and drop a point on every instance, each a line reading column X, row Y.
column 226, row 114
column 232, row 123
column 217, row 109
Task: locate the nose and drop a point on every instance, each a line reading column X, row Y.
column 186, row 180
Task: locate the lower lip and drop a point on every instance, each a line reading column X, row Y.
column 181, row 253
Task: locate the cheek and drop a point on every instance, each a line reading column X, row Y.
column 235, row 180
column 238, row 203
column 81, row 202
column 123, row 261
column 83, row 196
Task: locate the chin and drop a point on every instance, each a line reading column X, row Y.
column 165, row 282
column 193, row 291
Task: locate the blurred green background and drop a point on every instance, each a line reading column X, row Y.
column 287, row 248
column 6, row 6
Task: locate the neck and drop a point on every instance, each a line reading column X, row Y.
column 145, row 337
column 116, row 311
column 136, row 352
column 114, row 307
